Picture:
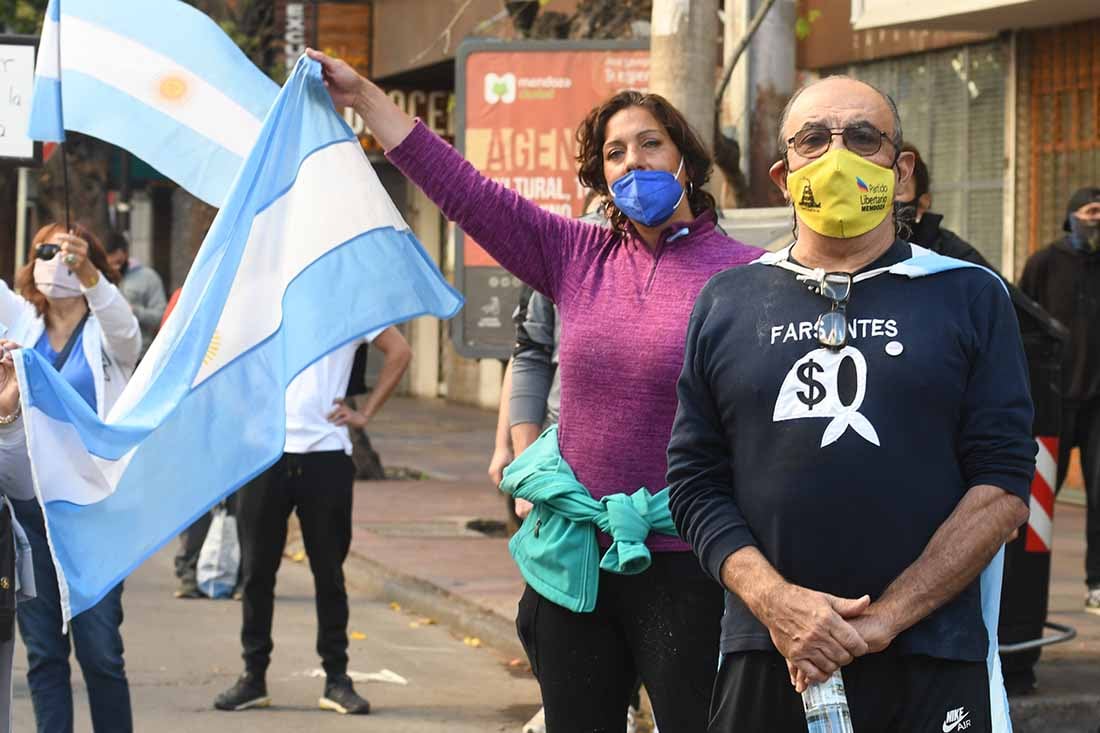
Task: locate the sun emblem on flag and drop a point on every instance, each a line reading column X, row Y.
column 212, row 350
column 172, row 87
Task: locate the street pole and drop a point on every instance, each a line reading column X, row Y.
column 20, row 221
column 683, row 58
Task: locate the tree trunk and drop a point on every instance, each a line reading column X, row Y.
column 771, row 58
column 683, row 59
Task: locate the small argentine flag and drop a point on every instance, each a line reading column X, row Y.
column 156, row 77
column 307, row 254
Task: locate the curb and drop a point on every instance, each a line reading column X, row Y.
column 458, row 614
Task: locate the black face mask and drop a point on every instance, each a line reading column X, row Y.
column 905, row 213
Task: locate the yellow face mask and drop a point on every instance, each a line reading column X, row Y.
column 841, row 194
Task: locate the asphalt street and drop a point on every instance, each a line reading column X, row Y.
column 180, row 654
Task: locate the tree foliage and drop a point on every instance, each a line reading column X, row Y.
column 251, row 25
column 22, row 16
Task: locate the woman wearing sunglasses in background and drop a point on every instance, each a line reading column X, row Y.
column 624, row 293
column 69, row 311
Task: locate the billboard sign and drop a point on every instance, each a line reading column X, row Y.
column 518, row 107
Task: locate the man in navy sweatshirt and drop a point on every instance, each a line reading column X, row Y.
column 853, row 447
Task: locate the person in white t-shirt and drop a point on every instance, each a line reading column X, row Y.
column 314, row 478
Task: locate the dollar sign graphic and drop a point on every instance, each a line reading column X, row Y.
column 815, row 390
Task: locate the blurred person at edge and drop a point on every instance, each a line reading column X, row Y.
column 852, row 446
column 1064, row 277
column 642, row 157
column 70, row 311
column 16, row 562
column 141, row 286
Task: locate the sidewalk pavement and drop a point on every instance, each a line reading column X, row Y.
column 413, row 543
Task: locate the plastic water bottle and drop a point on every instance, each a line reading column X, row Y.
column 826, row 706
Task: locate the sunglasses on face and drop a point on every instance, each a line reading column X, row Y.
column 832, row 326
column 812, row 141
column 47, row 251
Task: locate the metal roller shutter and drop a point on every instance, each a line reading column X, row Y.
column 1059, row 140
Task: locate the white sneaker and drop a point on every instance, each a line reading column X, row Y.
column 631, row 720
column 1092, row 601
column 537, row 723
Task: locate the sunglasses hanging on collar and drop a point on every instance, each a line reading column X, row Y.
column 832, row 326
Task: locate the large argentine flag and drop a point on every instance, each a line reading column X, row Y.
column 307, row 254
column 156, row 77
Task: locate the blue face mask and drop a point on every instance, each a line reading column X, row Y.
column 648, row 197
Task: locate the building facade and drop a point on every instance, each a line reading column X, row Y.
column 1009, row 104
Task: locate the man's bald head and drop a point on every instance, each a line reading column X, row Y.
column 838, row 87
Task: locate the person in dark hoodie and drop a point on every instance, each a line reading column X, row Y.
column 1064, row 278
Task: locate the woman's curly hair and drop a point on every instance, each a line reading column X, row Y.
column 592, row 134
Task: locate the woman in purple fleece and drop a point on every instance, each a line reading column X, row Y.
column 625, row 295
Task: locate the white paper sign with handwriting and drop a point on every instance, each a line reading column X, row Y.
column 16, row 84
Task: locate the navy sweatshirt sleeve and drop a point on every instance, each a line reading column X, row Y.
column 840, row 465
column 699, row 472
column 995, row 444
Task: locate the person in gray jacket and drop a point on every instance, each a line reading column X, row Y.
column 536, row 385
column 141, row 286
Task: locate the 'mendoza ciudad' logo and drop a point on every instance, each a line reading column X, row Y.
column 500, row 88
column 507, row 87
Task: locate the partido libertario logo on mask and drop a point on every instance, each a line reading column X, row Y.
column 873, row 196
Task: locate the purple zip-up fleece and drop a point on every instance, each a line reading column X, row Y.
column 624, row 312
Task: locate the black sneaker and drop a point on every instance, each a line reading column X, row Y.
column 188, row 588
column 249, row 691
column 341, row 697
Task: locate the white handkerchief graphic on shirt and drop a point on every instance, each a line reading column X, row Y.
column 811, row 389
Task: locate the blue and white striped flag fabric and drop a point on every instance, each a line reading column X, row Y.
column 156, row 77
column 308, row 254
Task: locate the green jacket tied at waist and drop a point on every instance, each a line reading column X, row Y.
column 556, row 547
